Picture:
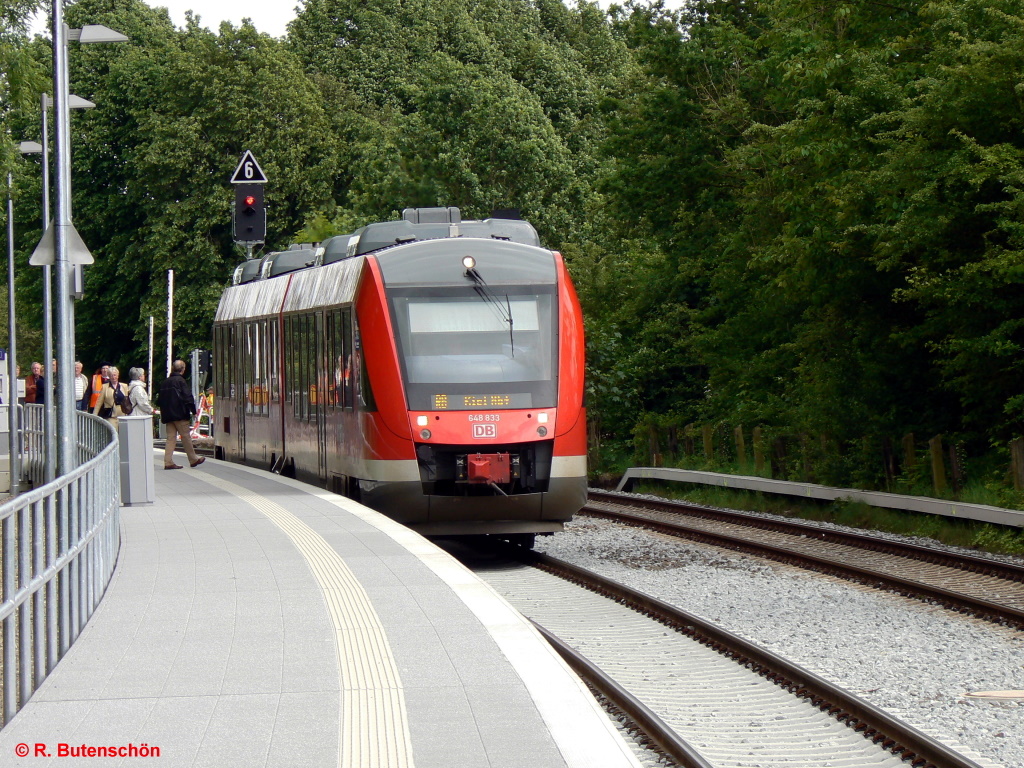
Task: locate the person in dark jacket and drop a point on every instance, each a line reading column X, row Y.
column 177, row 408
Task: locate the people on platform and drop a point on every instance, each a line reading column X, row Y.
column 177, row 409
column 81, row 389
column 113, row 395
column 137, row 394
column 101, row 377
column 35, row 385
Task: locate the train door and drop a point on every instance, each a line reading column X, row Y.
column 322, row 374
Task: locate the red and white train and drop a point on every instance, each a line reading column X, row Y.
column 431, row 368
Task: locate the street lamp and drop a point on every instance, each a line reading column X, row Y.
column 63, row 228
column 74, row 102
column 26, row 148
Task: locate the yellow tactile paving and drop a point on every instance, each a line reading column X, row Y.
column 374, row 727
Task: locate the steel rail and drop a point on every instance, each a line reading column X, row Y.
column 954, row 600
column 965, row 562
column 913, row 746
column 653, row 727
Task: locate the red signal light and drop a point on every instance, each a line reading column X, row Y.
column 250, row 200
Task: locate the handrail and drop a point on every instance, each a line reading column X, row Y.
column 982, row 512
column 59, row 545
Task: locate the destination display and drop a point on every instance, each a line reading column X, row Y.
column 449, row 402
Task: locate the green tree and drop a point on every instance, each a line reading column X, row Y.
column 176, row 110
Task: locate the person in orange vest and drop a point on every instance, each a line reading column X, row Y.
column 101, row 377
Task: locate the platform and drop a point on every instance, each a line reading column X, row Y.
column 256, row 621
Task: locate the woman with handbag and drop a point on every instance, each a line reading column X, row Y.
column 113, row 399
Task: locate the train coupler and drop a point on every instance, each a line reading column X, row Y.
column 487, row 468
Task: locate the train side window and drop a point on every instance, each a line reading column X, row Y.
column 336, row 352
column 256, row 367
column 286, row 349
column 330, row 375
column 231, row 356
column 299, row 387
column 264, row 370
column 314, row 340
column 274, row 360
column 248, row 361
column 218, row 350
column 347, row 374
column 306, row 365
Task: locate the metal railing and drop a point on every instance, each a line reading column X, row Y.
column 982, row 512
column 59, row 545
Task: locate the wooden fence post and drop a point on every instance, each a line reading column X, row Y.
column 938, row 467
column 758, row 451
column 909, row 454
column 956, row 470
column 654, row 445
column 1017, row 463
column 741, row 448
column 888, row 461
column 779, row 458
column 594, row 442
column 709, row 441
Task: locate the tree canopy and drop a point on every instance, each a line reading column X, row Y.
column 783, row 213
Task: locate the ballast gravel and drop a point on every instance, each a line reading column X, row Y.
column 915, row 660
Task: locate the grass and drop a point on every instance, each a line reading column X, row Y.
column 971, row 534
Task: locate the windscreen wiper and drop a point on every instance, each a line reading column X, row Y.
column 504, row 311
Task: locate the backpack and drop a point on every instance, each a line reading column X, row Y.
column 125, row 402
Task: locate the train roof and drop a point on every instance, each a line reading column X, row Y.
column 283, row 262
column 435, row 224
column 416, row 225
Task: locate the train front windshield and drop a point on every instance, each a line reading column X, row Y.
column 468, row 350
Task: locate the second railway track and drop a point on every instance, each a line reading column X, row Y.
column 737, row 705
column 986, row 588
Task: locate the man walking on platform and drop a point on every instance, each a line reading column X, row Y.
column 177, row 407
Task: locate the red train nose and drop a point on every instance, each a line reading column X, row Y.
column 488, row 468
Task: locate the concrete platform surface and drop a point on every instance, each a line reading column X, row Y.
column 256, row 621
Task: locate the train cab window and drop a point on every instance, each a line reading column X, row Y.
column 367, row 401
column 461, row 348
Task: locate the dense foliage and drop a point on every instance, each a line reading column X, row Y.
column 802, row 215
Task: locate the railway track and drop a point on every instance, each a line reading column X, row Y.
column 703, row 696
column 986, row 588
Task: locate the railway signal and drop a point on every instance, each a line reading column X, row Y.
column 250, row 213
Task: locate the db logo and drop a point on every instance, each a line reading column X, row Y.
column 485, row 431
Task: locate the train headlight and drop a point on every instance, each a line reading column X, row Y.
column 542, row 431
column 542, row 418
column 468, row 262
column 422, row 421
column 425, row 434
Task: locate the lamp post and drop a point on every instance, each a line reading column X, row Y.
column 26, row 148
column 65, row 328
column 50, row 439
column 12, row 379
